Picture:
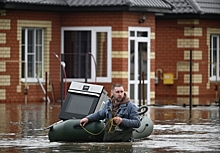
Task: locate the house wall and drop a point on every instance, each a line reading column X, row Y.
column 11, row 22
column 171, row 41
column 174, row 40
column 119, row 21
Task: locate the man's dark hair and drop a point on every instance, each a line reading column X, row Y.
column 116, row 85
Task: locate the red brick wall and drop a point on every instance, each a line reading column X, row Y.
column 167, row 55
column 120, row 21
column 35, row 93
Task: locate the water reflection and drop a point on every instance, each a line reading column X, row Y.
column 177, row 114
column 21, row 131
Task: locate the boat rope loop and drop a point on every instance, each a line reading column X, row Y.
column 111, row 125
column 111, row 122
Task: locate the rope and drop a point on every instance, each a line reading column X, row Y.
column 111, row 125
column 111, row 121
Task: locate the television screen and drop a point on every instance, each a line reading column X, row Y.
column 78, row 106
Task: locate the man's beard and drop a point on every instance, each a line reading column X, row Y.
column 119, row 99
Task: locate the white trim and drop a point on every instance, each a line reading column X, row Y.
column 215, row 77
column 33, row 80
column 84, row 93
column 93, row 30
column 135, row 82
column 26, row 78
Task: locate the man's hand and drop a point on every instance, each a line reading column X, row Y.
column 84, row 121
column 117, row 120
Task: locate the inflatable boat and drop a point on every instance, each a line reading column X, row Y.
column 83, row 99
column 71, row 131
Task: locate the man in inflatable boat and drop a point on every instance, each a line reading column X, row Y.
column 120, row 115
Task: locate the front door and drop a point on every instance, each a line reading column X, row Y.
column 139, row 65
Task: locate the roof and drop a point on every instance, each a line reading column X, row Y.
column 161, row 6
column 34, row 2
column 209, row 6
column 182, row 6
column 196, row 6
column 89, row 5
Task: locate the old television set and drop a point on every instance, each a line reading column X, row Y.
column 82, row 99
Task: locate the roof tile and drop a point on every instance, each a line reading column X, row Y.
column 181, row 6
column 140, row 3
column 209, row 6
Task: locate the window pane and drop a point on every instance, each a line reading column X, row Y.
column 23, row 37
column 23, row 53
column 31, row 66
column 142, row 34
column 142, row 96
column 39, row 37
column 131, row 92
column 214, row 55
column 39, row 53
column 77, row 44
column 101, row 60
column 132, row 63
column 142, row 49
column 132, row 33
column 39, row 69
column 30, row 41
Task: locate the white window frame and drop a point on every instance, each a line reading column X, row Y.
column 214, row 77
column 136, row 81
column 93, row 30
column 32, row 79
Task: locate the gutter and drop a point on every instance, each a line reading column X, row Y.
column 47, row 8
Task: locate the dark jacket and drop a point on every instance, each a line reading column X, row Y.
column 122, row 132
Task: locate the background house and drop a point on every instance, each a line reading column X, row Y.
column 105, row 42
column 193, row 25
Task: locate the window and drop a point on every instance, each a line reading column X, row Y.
column 32, row 53
column 87, row 53
column 215, row 57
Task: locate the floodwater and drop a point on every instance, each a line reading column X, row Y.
column 21, row 131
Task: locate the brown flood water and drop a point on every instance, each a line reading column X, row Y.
column 21, row 131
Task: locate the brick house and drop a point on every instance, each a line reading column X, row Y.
column 103, row 42
column 193, row 25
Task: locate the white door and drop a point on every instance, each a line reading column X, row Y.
column 139, row 65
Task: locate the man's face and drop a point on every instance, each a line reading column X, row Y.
column 118, row 93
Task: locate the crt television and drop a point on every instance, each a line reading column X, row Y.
column 82, row 99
